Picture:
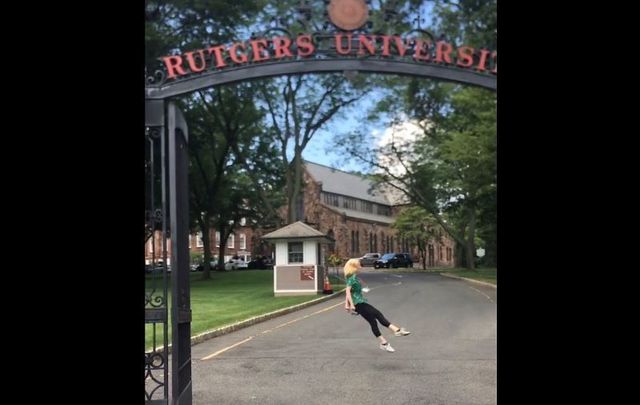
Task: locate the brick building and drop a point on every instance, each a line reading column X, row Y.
column 341, row 205
column 241, row 242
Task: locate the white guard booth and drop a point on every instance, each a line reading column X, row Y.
column 298, row 268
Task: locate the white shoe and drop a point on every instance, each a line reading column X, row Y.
column 402, row 332
column 387, row 347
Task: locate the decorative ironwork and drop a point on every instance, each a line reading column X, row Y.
column 156, row 283
column 158, row 77
column 155, row 365
column 348, row 14
column 154, row 300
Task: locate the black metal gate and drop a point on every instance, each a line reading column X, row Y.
column 166, row 168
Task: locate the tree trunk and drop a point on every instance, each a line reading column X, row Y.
column 206, row 242
column 422, row 246
column 294, row 187
column 223, row 245
column 297, row 185
column 470, row 242
column 290, row 204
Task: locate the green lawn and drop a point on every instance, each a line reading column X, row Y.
column 483, row 274
column 230, row 297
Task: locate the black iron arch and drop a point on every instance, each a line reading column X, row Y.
column 262, row 70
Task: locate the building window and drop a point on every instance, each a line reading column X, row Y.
column 367, row 207
column 371, row 242
column 217, row 239
column 358, row 241
column 350, row 203
column 295, row 252
column 199, row 242
column 231, row 241
column 375, row 243
column 384, row 210
column 331, row 199
column 391, row 248
column 439, row 252
column 243, row 241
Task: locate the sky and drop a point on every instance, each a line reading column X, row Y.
column 321, row 148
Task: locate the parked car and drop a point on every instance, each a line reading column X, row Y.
column 393, row 260
column 156, row 268
column 212, row 266
column 369, row 259
column 409, row 259
column 235, row 264
column 260, row 262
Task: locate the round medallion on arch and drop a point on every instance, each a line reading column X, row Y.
column 348, row 14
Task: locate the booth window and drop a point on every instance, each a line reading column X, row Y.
column 295, row 252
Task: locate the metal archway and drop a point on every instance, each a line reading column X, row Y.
column 257, row 71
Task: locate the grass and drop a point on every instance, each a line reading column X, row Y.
column 230, row 297
column 483, row 274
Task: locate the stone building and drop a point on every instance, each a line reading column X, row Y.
column 349, row 209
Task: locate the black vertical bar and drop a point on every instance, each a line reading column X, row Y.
column 179, row 216
column 165, row 281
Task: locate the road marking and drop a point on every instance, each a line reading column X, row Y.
column 489, row 298
column 268, row 330
column 227, row 348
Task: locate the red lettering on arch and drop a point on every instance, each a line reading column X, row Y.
column 420, row 52
column 258, row 46
column 339, row 48
column 494, row 55
column 233, row 53
column 369, row 43
column 192, row 61
column 281, row 47
column 465, row 56
column 217, row 50
column 483, row 60
column 440, row 52
column 305, row 45
column 174, row 64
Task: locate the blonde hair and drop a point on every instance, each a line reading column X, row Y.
column 351, row 266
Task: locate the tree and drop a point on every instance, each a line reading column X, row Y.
column 224, row 121
column 298, row 107
column 416, row 224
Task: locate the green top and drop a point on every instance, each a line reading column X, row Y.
column 356, row 290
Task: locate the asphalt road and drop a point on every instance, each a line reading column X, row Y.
column 322, row 355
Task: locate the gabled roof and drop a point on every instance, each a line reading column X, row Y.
column 343, row 183
column 297, row 230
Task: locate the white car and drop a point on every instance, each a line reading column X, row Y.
column 235, row 264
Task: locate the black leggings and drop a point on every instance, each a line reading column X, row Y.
column 370, row 313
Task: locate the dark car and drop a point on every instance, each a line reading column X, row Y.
column 409, row 259
column 393, row 260
column 369, row 259
column 260, row 263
